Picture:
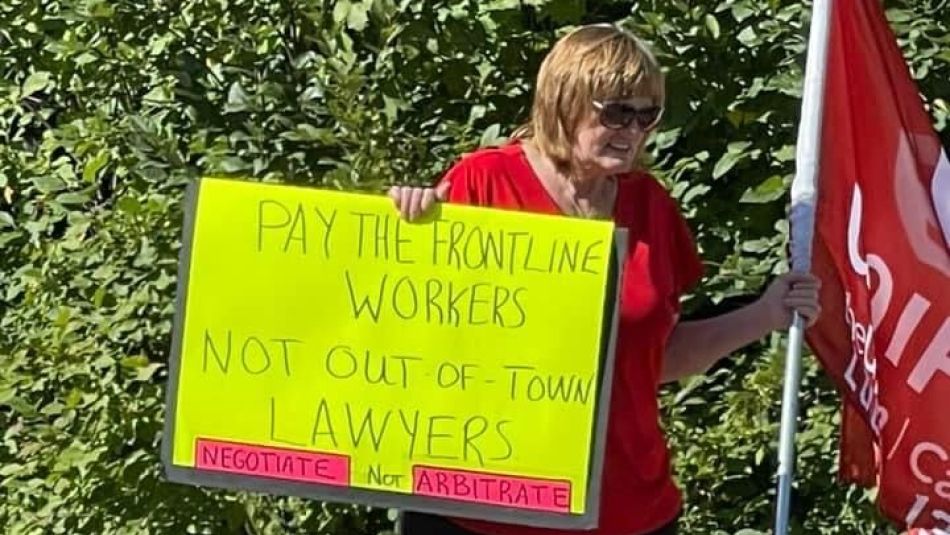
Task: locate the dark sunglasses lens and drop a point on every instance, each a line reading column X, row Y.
column 648, row 117
column 617, row 115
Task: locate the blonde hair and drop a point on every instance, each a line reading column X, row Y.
column 594, row 62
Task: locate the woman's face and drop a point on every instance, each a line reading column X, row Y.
column 600, row 151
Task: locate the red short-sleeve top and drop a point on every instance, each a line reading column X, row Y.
column 638, row 494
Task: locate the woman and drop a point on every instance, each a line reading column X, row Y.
column 599, row 93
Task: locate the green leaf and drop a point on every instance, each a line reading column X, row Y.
column 92, row 167
column 357, row 17
column 738, row 146
column 73, row 198
column 238, row 99
column 341, row 9
column 768, row 190
column 233, row 164
column 748, row 37
column 129, row 205
column 738, row 118
column 726, row 163
column 145, row 373
column 695, row 191
column 6, row 394
column 310, row 133
column 391, row 106
column 22, row 406
column 712, row 24
column 900, row 15
column 491, row 136
column 785, row 154
column 501, row 5
column 74, row 456
column 740, row 11
column 85, row 58
column 36, row 81
column 756, row 246
column 101, row 9
column 73, row 398
column 103, row 361
column 6, row 220
column 133, row 362
column 10, row 469
column 49, row 183
column 312, row 93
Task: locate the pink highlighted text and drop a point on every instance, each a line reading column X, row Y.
column 278, row 463
column 494, row 489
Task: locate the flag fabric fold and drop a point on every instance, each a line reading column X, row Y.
column 881, row 247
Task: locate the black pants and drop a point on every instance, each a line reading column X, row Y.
column 423, row 524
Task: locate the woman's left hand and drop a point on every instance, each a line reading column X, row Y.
column 790, row 293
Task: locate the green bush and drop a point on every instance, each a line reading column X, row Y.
column 108, row 109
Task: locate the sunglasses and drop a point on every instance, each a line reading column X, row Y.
column 619, row 115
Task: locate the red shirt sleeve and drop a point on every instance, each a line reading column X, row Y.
column 468, row 181
column 497, row 177
column 654, row 216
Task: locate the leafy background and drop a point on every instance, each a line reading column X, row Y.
column 109, row 108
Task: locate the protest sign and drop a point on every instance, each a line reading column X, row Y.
column 324, row 347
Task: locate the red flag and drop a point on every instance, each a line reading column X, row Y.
column 880, row 246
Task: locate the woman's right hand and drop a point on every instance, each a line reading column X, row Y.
column 413, row 202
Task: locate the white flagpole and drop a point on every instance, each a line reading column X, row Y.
column 802, row 218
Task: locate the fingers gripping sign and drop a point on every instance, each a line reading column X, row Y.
column 413, row 202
